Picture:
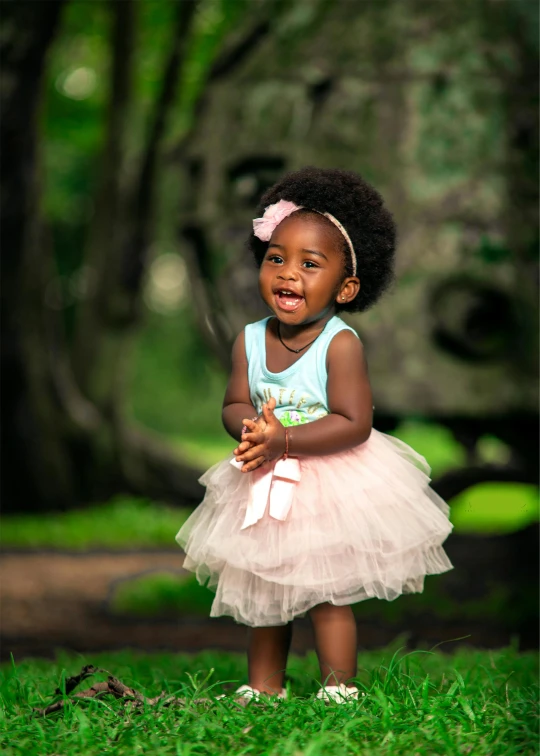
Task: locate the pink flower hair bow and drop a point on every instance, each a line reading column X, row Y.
column 264, row 227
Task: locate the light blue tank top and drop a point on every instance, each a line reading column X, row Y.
column 300, row 390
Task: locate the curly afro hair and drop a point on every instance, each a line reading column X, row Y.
column 359, row 208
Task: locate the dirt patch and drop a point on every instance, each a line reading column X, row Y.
column 52, row 600
column 60, row 600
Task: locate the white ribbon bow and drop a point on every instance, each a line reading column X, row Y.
column 274, row 485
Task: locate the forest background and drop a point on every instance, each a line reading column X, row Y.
column 137, row 137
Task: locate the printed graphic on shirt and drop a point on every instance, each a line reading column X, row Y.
column 292, row 407
column 291, row 417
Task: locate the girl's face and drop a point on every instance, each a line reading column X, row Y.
column 302, row 276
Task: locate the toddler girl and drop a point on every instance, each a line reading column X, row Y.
column 316, row 510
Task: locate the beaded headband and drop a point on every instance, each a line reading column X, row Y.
column 263, row 228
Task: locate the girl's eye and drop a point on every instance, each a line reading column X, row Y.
column 275, row 259
column 309, row 264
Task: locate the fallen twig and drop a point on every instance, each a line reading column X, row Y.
column 72, row 682
column 114, row 687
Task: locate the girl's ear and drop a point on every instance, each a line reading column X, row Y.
column 348, row 290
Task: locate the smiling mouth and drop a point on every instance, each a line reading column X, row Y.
column 288, row 300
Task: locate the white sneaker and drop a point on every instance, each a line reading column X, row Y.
column 338, row 693
column 247, row 694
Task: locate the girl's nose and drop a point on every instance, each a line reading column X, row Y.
column 287, row 272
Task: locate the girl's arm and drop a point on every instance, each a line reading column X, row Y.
column 237, row 403
column 351, row 411
column 349, row 400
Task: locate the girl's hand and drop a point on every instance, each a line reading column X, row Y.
column 266, row 444
column 259, row 424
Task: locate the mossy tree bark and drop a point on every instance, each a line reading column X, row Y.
column 66, row 438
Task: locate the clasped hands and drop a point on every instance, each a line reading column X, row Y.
column 264, row 440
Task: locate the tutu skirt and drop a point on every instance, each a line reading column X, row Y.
column 363, row 523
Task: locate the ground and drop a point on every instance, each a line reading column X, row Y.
column 54, row 600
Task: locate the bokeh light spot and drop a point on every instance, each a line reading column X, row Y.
column 166, row 287
column 77, row 84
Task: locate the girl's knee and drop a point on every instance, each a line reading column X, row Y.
column 318, row 610
column 328, row 610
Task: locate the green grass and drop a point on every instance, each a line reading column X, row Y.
column 495, row 508
column 471, row 702
column 121, row 522
column 162, row 594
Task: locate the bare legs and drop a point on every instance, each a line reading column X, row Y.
column 335, row 642
column 267, row 657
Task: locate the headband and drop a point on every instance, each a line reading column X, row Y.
column 263, row 228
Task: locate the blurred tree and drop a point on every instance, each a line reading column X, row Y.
column 179, row 70
column 66, row 438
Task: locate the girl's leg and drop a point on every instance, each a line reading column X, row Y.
column 267, row 657
column 335, row 642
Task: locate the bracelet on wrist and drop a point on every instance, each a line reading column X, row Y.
column 286, row 454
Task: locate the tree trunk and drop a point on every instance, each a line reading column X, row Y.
column 33, row 457
column 59, row 448
column 118, row 251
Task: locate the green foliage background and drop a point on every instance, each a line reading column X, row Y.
column 177, row 384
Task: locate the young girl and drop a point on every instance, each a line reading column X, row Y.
column 316, row 510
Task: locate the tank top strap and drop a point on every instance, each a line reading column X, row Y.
column 254, row 341
column 334, row 326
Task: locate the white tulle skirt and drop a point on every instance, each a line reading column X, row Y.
column 363, row 523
